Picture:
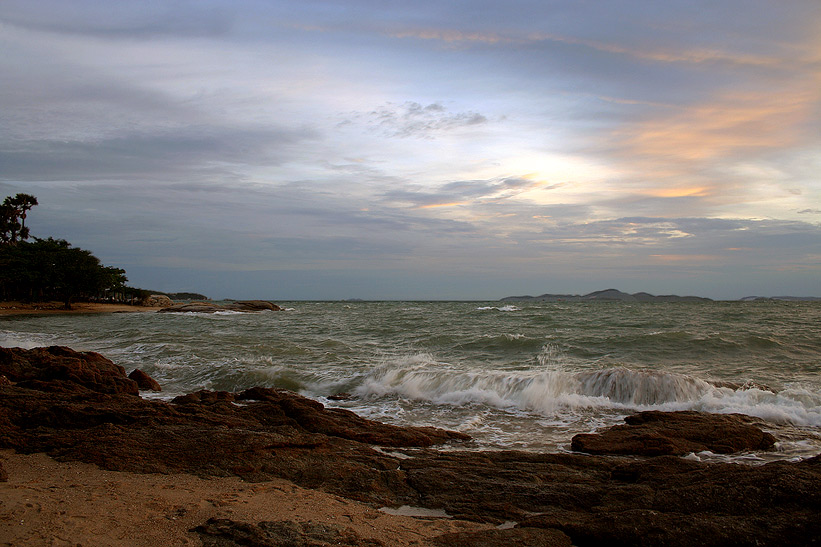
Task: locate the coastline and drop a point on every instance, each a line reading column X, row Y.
column 84, row 458
column 56, row 308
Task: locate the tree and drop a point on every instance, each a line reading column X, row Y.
column 13, row 218
column 53, row 269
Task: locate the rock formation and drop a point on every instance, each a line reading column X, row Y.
column 158, row 301
column 210, row 307
column 144, row 381
column 81, row 407
column 657, row 433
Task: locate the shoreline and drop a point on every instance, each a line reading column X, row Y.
column 267, row 466
column 79, row 308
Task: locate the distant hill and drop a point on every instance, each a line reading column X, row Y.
column 607, row 295
column 787, row 298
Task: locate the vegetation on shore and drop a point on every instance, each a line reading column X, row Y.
column 52, row 269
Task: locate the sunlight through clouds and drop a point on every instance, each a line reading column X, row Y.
column 628, row 144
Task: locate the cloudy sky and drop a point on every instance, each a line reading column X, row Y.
column 303, row 149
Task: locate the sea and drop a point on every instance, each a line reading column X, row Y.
column 525, row 376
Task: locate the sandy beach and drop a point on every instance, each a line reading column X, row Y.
column 46, row 502
column 55, row 308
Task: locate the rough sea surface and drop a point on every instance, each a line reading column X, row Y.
column 525, row 376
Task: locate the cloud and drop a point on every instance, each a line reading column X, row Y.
column 166, row 154
column 120, row 21
column 412, row 119
column 462, row 192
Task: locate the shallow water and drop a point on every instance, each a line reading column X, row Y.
column 526, row 376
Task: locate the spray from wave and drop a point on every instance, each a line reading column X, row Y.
column 551, row 390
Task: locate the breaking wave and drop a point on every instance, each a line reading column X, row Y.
column 552, row 392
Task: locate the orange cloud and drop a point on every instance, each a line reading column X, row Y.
column 438, row 205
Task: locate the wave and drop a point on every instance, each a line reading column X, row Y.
column 555, row 392
column 499, row 308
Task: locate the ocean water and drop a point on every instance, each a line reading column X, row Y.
column 527, row 376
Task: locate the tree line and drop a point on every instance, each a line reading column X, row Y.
column 51, row 269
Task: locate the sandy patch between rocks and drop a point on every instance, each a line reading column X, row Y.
column 45, row 502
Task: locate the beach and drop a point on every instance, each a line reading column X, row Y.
column 51, row 503
column 58, row 308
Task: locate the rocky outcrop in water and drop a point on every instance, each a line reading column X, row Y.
column 62, row 402
column 655, row 433
column 209, row 307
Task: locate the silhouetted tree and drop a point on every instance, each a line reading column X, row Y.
column 13, row 218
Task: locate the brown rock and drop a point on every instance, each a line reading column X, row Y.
column 226, row 533
column 656, row 433
column 4, row 476
column 209, row 307
column 144, row 381
column 158, row 301
column 59, row 368
column 514, row 537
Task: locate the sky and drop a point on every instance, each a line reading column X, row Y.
column 463, row 150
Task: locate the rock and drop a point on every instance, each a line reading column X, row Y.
column 253, row 305
column 342, row 396
column 58, row 368
column 514, row 537
column 144, row 381
column 337, row 422
column 4, row 476
column 227, row 533
column 157, row 301
column 209, row 307
column 4, row 381
column 656, row 433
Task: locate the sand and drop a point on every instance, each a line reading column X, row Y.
column 49, row 503
column 55, row 308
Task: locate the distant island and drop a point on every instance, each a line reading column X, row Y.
column 614, row 295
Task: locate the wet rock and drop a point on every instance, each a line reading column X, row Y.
column 144, row 381
column 230, row 533
column 58, row 368
column 656, row 433
column 210, row 307
column 337, row 422
column 514, row 537
column 342, row 396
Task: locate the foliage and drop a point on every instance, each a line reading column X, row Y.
column 13, row 218
column 49, row 269
column 53, row 269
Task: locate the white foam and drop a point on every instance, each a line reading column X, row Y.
column 556, row 391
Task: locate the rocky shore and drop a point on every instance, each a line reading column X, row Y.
column 624, row 486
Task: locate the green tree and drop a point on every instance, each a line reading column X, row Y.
column 53, row 269
column 13, row 218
